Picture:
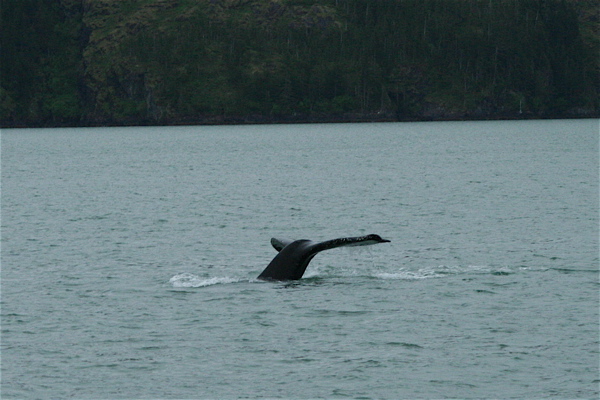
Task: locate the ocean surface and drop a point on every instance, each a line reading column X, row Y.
column 130, row 255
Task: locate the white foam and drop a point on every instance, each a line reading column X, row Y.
column 408, row 275
column 311, row 273
column 435, row 272
column 190, row 280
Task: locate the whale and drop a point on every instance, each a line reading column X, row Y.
column 293, row 256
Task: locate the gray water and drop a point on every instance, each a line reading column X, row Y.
column 129, row 258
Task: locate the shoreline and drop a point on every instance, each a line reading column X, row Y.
column 274, row 120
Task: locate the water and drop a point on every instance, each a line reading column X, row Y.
column 129, row 258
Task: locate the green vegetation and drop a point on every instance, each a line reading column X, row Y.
column 93, row 62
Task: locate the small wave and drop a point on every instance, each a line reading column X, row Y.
column 461, row 269
column 441, row 271
column 408, row 275
column 190, row 280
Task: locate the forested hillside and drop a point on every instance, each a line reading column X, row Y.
column 93, row 62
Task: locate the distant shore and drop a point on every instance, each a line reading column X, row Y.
column 189, row 62
column 295, row 119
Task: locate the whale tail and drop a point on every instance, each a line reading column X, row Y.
column 350, row 242
column 279, row 244
column 294, row 256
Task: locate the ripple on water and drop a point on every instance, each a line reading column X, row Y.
column 187, row 280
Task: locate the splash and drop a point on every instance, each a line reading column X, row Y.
column 186, row 280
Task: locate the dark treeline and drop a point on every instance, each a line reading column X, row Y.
column 92, row 62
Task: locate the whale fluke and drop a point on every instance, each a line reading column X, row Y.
column 279, row 244
column 294, row 255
